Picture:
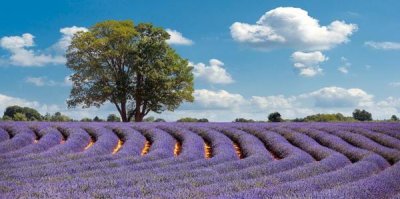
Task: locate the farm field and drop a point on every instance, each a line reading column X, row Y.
column 199, row 160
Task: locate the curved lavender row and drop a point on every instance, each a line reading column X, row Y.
column 149, row 153
column 37, row 127
column 134, row 144
column 162, row 148
column 383, row 185
column 161, row 145
column 250, row 145
column 77, row 140
column 209, row 135
column 361, row 141
column 217, row 139
column 353, row 153
column 21, row 137
column 105, row 141
column 133, row 141
column 359, row 170
column 192, row 144
column 49, row 138
column 391, row 129
column 4, row 135
column 221, row 145
column 382, row 139
column 329, row 161
column 140, row 179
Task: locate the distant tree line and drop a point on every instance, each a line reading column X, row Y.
column 358, row 115
column 17, row 113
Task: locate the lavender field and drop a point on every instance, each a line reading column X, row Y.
column 192, row 160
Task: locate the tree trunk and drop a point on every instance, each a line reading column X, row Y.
column 123, row 112
column 138, row 117
column 138, row 114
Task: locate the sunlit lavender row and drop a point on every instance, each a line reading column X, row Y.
column 199, row 160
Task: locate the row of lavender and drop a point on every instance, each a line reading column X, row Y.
column 172, row 160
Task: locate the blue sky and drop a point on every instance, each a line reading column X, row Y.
column 301, row 58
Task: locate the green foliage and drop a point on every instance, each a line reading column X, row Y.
column 30, row 113
column 97, row 119
column 7, row 118
column 275, row 117
column 58, row 117
column 394, row 118
column 243, row 120
column 86, row 119
column 159, row 120
column 149, row 119
column 130, row 66
column 362, row 115
column 113, row 118
column 189, row 119
column 20, row 117
column 202, row 120
column 338, row 117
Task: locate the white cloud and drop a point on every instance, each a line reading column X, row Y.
column 6, row 101
column 77, row 113
column 345, row 65
column 176, row 38
column 290, row 27
column 394, row 84
column 391, row 104
column 343, row 70
column 272, row 102
column 218, row 99
column 213, row 73
column 22, row 56
column 44, row 81
column 37, row 81
column 339, row 97
column 308, row 63
column 66, row 38
column 387, row 45
column 224, row 106
column 21, row 53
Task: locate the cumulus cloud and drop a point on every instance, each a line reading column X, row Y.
column 66, row 37
column 394, row 84
column 290, row 27
column 387, row 45
column 6, row 101
column 339, row 97
column 44, row 81
column 272, row 102
column 308, row 63
column 225, row 106
column 218, row 99
column 22, row 54
column 343, row 70
column 176, row 38
column 213, row 73
column 345, row 65
column 390, row 103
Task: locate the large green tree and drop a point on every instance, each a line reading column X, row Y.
column 130, row 66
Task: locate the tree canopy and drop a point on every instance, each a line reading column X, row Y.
column 22, row 113
column 275, row 117
column 362, row 115
column 130, row 66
